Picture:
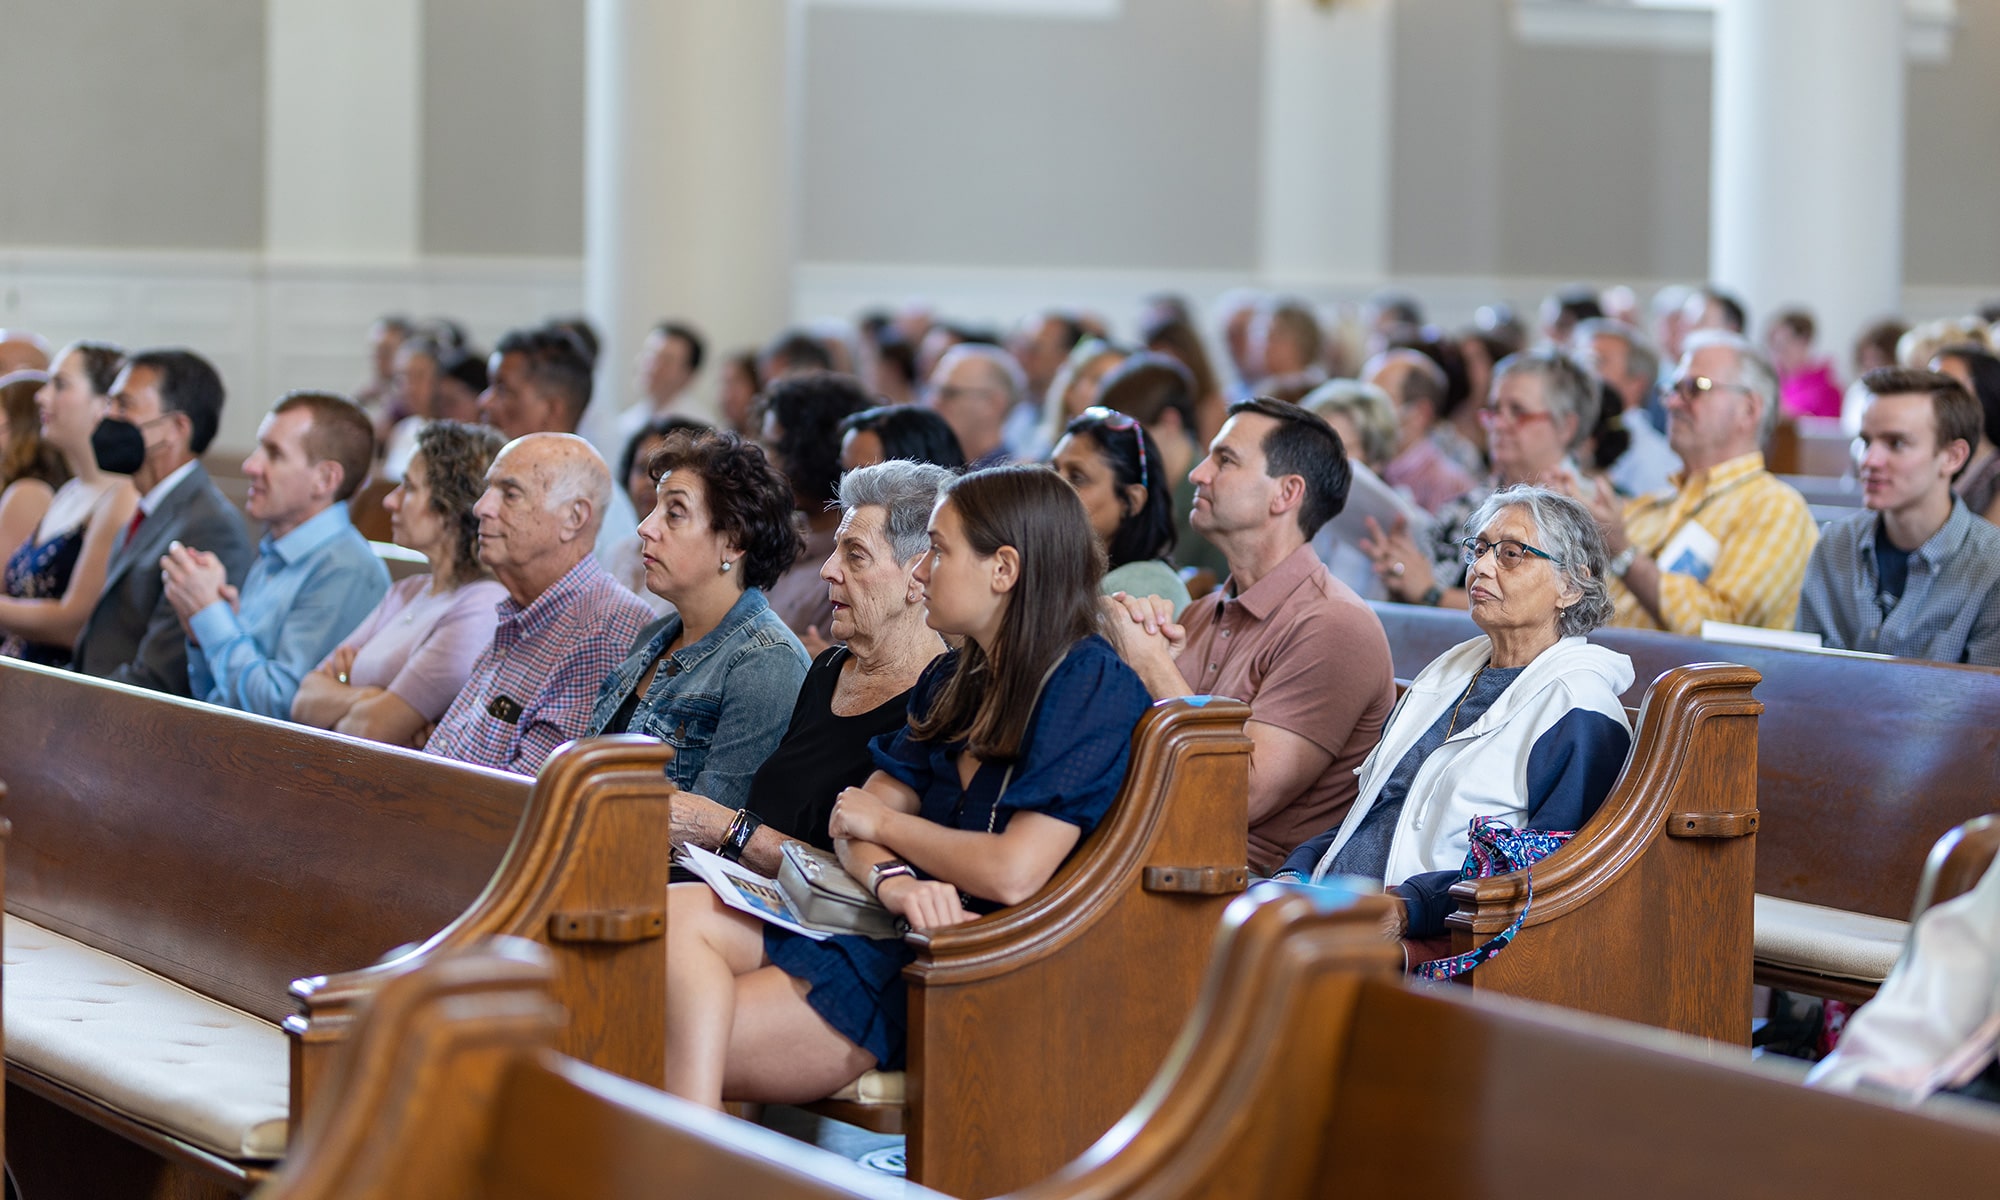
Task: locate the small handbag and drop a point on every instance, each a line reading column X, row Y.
column 1497, row 848
column 827, row 898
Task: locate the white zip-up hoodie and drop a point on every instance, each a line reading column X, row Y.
column 1482, row 770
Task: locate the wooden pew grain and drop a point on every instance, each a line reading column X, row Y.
column 1308, row 1071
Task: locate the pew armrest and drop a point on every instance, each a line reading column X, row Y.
column 586, row 875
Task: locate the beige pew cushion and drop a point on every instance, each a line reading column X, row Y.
column 1828, row 941
column 145, row 1046
column 874, row 1087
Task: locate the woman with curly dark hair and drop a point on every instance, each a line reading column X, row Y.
column 717, row 679
column 802, row 417
column 395, row 675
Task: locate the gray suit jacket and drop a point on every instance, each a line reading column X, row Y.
column 133, row 635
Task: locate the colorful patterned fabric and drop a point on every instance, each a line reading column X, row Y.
column 1497, row 849
column 41, row 572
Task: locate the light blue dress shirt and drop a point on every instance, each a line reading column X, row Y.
column 306, row 591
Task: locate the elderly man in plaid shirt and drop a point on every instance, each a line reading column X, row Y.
column 566, row 623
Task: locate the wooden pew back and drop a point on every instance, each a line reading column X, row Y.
column 228, row 852
column 1308, row 1072
column 1862, row 763
column 1957, row 863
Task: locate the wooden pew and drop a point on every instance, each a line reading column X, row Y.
column 1646, row 913
column 1862, row 765
column 1010, row 1069
column 1957, row 863
column 232, row 855
column 1308, row 1071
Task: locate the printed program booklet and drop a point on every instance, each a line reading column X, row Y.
column 744, row 889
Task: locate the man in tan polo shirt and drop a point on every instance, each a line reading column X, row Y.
column 1282, row 634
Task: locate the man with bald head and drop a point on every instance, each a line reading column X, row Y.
column 566, row 623
column 22, row 351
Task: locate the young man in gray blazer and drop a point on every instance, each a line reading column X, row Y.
column 174, row 397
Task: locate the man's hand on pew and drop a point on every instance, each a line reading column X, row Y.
column 1149, row 640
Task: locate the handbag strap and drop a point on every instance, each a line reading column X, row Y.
column 1497, row 849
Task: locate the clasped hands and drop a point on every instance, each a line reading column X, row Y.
column 194, row 580
column 859, row 815
column 1144, row 627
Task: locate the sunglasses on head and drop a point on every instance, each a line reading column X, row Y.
column 1111, row 418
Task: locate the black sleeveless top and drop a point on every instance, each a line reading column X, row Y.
column 820, row 755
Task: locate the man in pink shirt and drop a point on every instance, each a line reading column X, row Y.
column 1282, row 634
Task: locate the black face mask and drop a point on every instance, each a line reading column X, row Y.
column 118, row 446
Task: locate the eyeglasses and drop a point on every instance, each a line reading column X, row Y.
column 1509, row 552
column 1508, row 414
column 1687, row 387
column 1111, row 418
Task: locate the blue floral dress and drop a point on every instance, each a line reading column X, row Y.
column 41, row 572
column 1071, row 765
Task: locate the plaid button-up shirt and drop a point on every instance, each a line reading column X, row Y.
column 531, row 691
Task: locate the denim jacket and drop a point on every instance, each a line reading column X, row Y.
column 722, row 703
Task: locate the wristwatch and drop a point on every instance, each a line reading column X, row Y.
column 1432, row 597
column 888, row 868
column 1623, row 561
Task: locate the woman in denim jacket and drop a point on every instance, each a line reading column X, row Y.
column 717, row 679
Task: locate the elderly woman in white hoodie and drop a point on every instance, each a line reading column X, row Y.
column 1523, row 723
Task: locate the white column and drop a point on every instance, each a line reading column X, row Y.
column 1324, row 188
column 342, row 126
column 1806, row 187
column 688, row 177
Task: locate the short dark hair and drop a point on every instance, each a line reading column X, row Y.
column 1882, row 337
column 1984, row 367
column 456, row 456
column 1733, row 313
column 1148, row 532
column 658, row 427
column 796, row 350
column 580, row 328
column 749, row 502
column 1799, row 322
column 1954, row 412
column 809, row 408
column 190, row 386
column 468, row 369
column 340, row 433
column 1147, row 384
column 697, row 346
column 1303, row 444
column 558, row 363
column 909, row 431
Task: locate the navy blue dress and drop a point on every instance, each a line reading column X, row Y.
column 1071, row 765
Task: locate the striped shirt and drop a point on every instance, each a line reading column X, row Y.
column 1731, row 544
column 531, row 690
column 1950, row 607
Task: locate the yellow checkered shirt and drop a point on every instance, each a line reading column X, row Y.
column 1767, row 535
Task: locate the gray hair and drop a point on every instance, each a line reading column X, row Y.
column 1567, row 387
column 905, row 491
column 1007, row 373
column 1641, row 360
column 1368, row 406
column 1753, row 371
column 1565, row 529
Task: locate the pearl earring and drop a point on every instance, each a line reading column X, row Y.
column 727, row 566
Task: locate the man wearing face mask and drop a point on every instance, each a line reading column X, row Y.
column 165, row 407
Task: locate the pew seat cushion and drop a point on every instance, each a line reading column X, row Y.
column 1827, row 941
column 874, row 1087
column 144, row 1046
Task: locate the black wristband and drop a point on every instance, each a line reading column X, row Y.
column 1433, row 596
column 741, row 829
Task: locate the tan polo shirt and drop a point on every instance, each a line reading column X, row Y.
column 1308, row 656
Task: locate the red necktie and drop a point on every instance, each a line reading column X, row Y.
column 138, row 516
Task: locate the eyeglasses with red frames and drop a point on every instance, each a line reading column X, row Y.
column 1511, row 415
column 1111, row 418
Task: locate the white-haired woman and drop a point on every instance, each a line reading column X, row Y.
column 1523, row 723
column 855, row 691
